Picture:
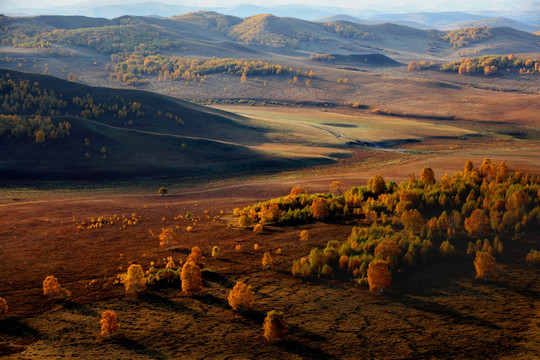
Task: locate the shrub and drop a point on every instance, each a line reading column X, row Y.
column 196, row 257
column 163, row 278
column 134, row 279
column 379, row 277
column 215, row 252
column 109, row 322
column 533, row 256
column 51, row 287
column 274, row 326
column 241, row 297
column 191, row 278
column 485, row 265
column 267, row 259
column 258, row 229
column 166, row 237
column 304, row 235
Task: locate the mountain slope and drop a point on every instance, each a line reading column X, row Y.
column 169, row 137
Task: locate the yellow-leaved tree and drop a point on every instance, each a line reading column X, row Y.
column 109, row 322
column 134, row 279
column 51, row 287
column 477, row 223
column 485, row 265
column 166, row 237
column 267, row 259
column 191, row 278
column 319, row 208
column 379, row 277
column 241, row 297
column 275, row 327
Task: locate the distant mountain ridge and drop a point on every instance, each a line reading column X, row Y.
column 428, row 20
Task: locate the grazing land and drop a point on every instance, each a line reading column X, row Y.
column 320, row 163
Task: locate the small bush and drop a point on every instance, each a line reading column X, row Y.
column 215, row 252
column 191, row 278
column 267, row 259
column 275, row 328
column 109, row 322
column 241, row 297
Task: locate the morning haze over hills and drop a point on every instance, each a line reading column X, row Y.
column 219, row 181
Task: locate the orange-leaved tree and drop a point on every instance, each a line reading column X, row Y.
column 427, row 175
column 485, row 265
column 275, row 327
column 379, row 277
column 335, row 188
column 267, row 259
column 109, row 322
column 191, row 278
column 319, row 208
column 412, row 220
column 196, row 256
column 477, row 223
column 166, row 237
column 387, row 249
column 51, row 287
column 377, row 185
column 298, row 190
column 134, row 279
column 241, row 297
column 304, row 235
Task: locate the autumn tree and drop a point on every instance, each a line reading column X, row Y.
column 109, row 322
column 377, row 185
column 258, row 229
column 166, row 237
column 196, row 256
column 412, row 220
column 446, row 249
column 319, row 208
column 304, row 235
column 477, row 223
column 485, row 265
column 298, row 190
column 243, row 79
column 40, row 137
column 335, row 188
column 427, row 175
column 274, row 326
column 72, row 77
column 241, row 297
column 134, row 279
column 162, row 191
column 379, row 277
column 267, row 259
column 191, row 278
column 3, row 307
column 387, row 249
column 468, row 166
column 215, row 251
column 51, row 287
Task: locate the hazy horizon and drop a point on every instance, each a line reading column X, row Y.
column 391, row 6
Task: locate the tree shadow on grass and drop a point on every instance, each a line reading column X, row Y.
column 217, row 278
column 164, row 303
column 441, row 310
column 80, row 309
column 300, row 332
column 305, row 351
column 210, row 299
column 139, row 348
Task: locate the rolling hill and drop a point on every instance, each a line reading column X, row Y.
column 169, row 138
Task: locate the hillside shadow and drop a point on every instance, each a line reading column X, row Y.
column 166, row 304
column 139, row 348
column 14, row 327
column 441, row 310
column 518, row 290
column 303, row 350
